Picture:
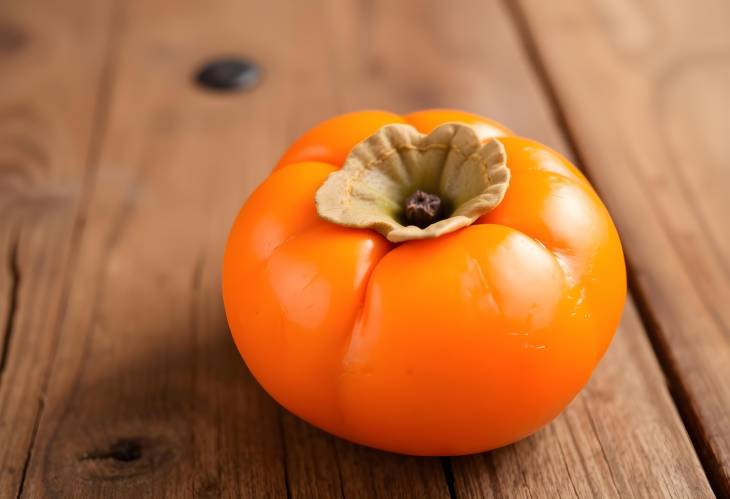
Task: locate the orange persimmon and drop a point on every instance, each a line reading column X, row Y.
column 454, row 335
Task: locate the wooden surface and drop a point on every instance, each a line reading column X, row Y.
column 119, row 178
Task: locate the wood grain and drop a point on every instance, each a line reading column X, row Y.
column 48, row 109
column 147, row 396
column 647, row 102
column 320, row 465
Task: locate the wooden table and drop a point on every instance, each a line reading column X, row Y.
column 119, row 178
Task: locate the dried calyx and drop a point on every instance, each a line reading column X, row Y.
column 407, row 185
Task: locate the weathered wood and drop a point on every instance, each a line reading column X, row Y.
column 48, row 110
column 647, row 102
column 147, row 395
column 319, row 465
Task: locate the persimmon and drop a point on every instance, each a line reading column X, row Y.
column 429, row 284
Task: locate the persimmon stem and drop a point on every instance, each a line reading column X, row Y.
column 422, row 209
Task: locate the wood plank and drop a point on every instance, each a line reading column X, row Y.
column 48, row 109
column 148, row 396
column 647, row 102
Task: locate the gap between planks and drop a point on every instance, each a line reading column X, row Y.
column 14, row 271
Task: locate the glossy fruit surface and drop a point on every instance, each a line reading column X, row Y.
column 445, row 346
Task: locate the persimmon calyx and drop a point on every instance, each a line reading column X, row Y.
column 399, row 172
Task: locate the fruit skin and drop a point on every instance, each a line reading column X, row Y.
column 445, row 346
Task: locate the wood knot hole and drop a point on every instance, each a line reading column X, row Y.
column 124, row 450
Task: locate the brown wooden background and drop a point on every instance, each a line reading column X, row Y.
column 119, row 178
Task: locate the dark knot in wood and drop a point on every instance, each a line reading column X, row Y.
column 124, row 450
column 229, row 74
